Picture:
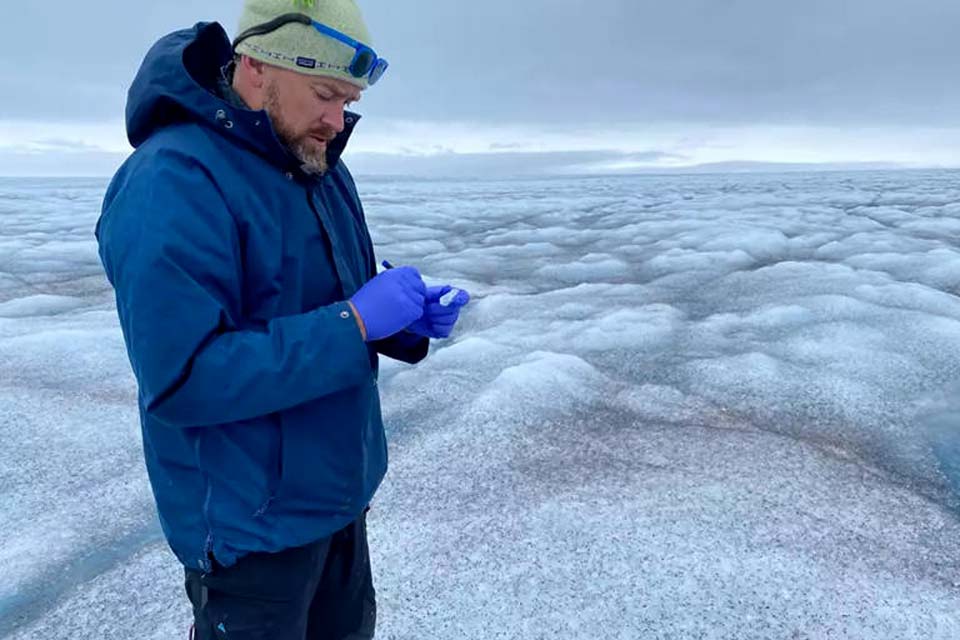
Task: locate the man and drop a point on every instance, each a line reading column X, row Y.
column 253, row 316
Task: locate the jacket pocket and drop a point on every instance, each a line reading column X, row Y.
column 240, row 460
column 274, row 466
column 323, row 452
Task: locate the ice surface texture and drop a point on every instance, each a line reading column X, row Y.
column 677, row 407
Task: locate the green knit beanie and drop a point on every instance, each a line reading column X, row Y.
column 302, row 48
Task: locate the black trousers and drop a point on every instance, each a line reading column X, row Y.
column 321, row 591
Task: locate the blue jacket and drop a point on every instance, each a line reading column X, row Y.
column 258, row 396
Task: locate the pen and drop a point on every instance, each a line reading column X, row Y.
column 447, row 298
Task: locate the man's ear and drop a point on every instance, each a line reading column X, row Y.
column 253, row 70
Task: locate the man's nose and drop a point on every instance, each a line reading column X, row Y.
column 333, row 116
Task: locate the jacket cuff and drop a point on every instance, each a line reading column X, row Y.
column 404, row 346
column 359, row 319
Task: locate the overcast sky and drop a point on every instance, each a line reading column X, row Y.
column 679, row 82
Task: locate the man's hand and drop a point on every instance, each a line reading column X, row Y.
column 437, row 320
column 389, row 302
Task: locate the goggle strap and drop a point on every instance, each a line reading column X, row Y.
column 273, row 25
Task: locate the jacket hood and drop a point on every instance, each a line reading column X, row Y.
column 177, row 83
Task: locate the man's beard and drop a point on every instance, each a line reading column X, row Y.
column 301, row 145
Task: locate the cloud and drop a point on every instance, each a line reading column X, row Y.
column 562, row 62
column 58, row 144
column 37, row 148
column 706, row 61
column 39, row 135
column 76, row 162
column 383, row 146
column 500, row 164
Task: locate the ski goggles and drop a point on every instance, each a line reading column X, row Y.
column 365, row 61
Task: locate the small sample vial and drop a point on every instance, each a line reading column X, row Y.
column 449, row 297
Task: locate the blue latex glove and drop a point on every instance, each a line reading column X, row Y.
column 437, row 320
column 390, row 301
